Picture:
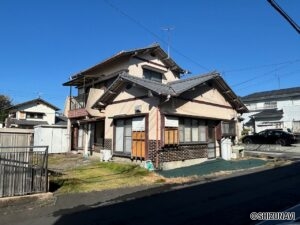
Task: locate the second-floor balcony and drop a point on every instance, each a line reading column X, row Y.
column 78, row 102
column 78, row 106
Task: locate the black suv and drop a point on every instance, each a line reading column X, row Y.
column 270, row 136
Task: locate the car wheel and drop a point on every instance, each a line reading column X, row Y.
column 248, row 141
column 281, row 142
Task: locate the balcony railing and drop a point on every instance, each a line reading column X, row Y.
column 78, row 102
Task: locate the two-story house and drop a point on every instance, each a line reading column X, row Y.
column 273, row 109
column 135, row 105
column 31, row 113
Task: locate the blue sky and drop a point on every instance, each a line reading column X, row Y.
column 42, row 43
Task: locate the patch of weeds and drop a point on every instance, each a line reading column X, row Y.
column 160, row 180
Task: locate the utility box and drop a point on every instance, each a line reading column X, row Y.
column 226, row 148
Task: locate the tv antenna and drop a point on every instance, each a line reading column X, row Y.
column 168, row 30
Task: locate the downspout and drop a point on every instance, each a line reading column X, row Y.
column 69, row 125
column 157, row 156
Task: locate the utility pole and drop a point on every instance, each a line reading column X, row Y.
column 168, row 29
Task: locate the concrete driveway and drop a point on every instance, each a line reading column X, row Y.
column 276, row 151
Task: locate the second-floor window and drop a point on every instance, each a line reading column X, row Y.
column 31, row 115
column 152, row 75
column 270, row 105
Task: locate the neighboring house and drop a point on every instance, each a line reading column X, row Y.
column 273, row 109
column 31, row 113
column 135, row 105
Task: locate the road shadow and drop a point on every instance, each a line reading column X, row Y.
column 228, row 201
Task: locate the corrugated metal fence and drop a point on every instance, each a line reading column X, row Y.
column 23, row 170
column 16, row 137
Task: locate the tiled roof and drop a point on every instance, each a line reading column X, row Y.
column 37, row 100
column 27, row 122
column 170, row 89
column 183, row 85
column 274, row 94
column 268, row 113
column 155, row 48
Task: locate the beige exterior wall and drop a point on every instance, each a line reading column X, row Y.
column 133, row 92
column 136, row 68
column 210, row 104
column 113, row 67
column 177, row 106
column 154, row 124
column 92, row 98
column 127, row 108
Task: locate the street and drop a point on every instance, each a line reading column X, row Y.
column 228, row 201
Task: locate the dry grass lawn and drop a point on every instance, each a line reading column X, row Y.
column 72, row 173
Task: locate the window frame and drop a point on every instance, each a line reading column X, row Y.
column 34, row 115
column 148, row 72
column 191, row 129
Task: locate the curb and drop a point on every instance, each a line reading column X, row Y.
column 37, row 199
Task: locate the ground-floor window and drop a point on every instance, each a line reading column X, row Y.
column 184, row 130
column 192, row 130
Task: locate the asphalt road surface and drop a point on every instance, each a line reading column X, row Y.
column 228, row 201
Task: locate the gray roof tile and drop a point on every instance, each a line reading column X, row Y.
column 273, row 94
column 174, row 88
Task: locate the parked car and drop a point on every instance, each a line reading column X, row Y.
column 270, row 136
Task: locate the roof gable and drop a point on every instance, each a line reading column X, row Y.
column 34, row 101
column 154, row 49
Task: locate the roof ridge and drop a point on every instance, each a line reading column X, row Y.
column 194, row 77
column 274, row 91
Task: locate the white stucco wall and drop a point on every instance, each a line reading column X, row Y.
column 49, row 113
column 291, row 112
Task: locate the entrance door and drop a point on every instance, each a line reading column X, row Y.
column 123, row 136
column 130, row 137
column 138, row 137
column 74, row 138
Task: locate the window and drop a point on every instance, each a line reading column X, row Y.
column 30, row 115
column 152, row 75
column 270, row 105
column 228, row 128
column 192, row 130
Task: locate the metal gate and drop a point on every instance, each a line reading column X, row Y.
column 23, row 170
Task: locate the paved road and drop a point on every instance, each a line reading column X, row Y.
column 228, row 201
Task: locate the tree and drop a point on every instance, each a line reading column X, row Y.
column 5, row 103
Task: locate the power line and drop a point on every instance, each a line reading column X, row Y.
column 267, row 73
column 260, row 66
column 285, row 15
column 268, row 79
column 153, row 34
